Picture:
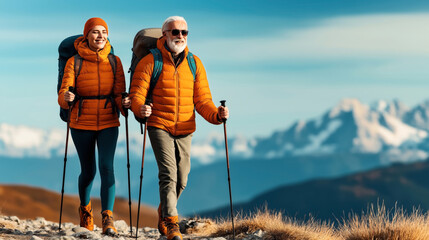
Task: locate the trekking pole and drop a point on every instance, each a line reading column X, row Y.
column 141, row 173
column 71, row 89
column 229, row 176
column 124, row 95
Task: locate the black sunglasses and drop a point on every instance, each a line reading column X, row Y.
column 176, row 32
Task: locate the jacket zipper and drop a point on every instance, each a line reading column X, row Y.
column 177, row 93
column 98, row 102
column 177, row 100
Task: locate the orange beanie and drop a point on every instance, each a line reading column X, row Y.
column 91, row 23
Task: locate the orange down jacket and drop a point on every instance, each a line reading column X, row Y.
column 175, row 96
column 95, row 79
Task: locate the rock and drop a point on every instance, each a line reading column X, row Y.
column 17, row 232
column 87, row 235
column 218, row 238
column 14, row 219
column 121, row 226
column 69, row 225
column 80, row 229
column 259, row 233
column 5, row 223
column 109, row 238
column 41, row 221
column 62, row 238
column 151, row 232
column 196, row 224
column 35, row 238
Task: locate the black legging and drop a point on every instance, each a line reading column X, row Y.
column 85, row 141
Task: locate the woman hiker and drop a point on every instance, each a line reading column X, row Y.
column 94, row 119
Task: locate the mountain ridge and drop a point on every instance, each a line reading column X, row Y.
column 350, row 126
column 330, row 199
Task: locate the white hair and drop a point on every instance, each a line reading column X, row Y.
column 171, row 19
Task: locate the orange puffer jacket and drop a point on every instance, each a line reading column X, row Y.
column 95, row 79
column 175, row 96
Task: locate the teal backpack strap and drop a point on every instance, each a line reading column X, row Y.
column 157, row 68
column 191, row 62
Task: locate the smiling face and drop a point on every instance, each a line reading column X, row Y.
column 176, row 43
column 97, row 38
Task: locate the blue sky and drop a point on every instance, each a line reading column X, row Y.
column 275, row 62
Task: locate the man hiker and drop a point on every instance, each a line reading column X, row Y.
column 170, row 115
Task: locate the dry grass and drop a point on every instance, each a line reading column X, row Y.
column 273, row 224
column 376, row 224
column 381, row 224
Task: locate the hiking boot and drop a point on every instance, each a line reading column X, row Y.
column 162, row 227
column 107, row 222
column 86, row 217
column 173, row 229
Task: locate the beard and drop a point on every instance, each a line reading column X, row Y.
column 177, row 45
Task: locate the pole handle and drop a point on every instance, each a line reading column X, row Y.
column 222, row 103
column 71, row 89
column 124, row 95
column 148, row 102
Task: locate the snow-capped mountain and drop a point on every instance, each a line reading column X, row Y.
column 24, row 141
column 348, row 138
column 391, row 129
column 387, row 128
column 418, row 117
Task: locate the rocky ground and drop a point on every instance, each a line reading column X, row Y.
column 11, row 227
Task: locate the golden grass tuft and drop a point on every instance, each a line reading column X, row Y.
column 381, row 224
column 274, row 226
column 377, row 223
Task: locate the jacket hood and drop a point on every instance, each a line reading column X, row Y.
column 85, row 52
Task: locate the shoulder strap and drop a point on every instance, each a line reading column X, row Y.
column 77, row 65
column 191, row 62
column 157, row 68
column 113, row 63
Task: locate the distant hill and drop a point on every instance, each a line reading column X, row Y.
column 29, row 202
column 404, row 185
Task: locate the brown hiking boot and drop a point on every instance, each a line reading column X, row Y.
column 107, row 222
column 162, row 227
column 86, row 217
column 173, row 229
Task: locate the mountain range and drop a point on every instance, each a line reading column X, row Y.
column 400, row 186
column 348, row 138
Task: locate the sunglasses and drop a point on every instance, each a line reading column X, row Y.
column 176, row 32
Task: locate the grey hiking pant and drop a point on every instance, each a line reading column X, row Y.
column 173, row 157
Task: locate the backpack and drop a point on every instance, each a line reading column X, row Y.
column 145, row 43
column 67, row 50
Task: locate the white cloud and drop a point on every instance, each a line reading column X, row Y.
column 349, row 37
column 20, row 141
